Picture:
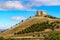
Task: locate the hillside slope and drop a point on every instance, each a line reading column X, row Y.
column 21, row 26
column 26, row 24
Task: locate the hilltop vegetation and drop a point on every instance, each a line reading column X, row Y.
column 49, row 16
column 39, row 27
column 53, row 36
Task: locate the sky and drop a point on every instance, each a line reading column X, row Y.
column 13, row 11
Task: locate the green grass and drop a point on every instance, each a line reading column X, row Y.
column 1, row 38
column 39, row 27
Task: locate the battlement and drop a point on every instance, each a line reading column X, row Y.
column 41, row 13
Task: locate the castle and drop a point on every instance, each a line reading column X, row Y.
column 41, row 13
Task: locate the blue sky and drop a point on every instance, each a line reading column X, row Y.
column 13, row 11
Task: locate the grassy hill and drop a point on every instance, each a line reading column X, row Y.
column 29, row 23
column 38, row 27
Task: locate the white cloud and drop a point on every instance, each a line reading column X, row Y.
column 43, row 3
column 48, row 2
column 18, row 18
column 12, row 5
column 23, row 5
column 3, row 27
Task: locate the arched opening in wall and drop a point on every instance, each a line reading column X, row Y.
column 41, row 12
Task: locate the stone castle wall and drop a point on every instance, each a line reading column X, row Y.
column 41, row 13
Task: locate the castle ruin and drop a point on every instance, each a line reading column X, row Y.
column 41, row 13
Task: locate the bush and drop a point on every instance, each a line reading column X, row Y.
column 1, row 38
column 53, row 36
column 38, row 35
column 39, row 27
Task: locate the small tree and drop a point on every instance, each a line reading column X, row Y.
column 38, row 35
column 30, row 17
column 15, row 33
column 21, row 20
column 33, row 35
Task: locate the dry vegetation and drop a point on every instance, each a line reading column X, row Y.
column 28, row 23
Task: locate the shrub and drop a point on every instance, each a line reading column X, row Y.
column 39, row 27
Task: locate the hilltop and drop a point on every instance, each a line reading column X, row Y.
column 40, row 21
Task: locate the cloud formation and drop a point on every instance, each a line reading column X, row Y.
column 48, row 2
column 3, row 27
column 18, row 18
column 27, row 4
column 12, row 5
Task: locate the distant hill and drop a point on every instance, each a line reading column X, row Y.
column 39, row 18
column 1, row 30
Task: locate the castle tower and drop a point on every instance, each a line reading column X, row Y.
column 41, row 13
